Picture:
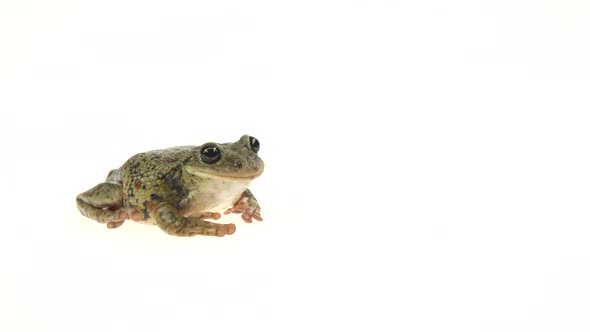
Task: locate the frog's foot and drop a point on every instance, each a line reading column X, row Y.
column 102, row 215
column 126, row 213
column 169, row 219
column 102, row 203
column 122, row 215
column 248, row 207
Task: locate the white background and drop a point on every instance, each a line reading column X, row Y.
column 427, row 164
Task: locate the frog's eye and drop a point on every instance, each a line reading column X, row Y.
column 210, row 154
column 254, row 144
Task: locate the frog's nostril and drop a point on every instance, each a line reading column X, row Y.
column 238, row 164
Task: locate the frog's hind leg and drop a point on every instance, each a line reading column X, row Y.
column 103, row 204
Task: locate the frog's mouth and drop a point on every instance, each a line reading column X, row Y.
column 230, row 177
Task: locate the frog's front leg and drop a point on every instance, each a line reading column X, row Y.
column 103, row 204
column 248, row 206
column 171, row 221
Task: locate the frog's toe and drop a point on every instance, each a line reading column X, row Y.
column 209, row 215
column 136, row 215
column 118, row 218
column 231, row 228
column 225, row 229
column 115, row 224
column 247, row 217
column 252, row 211
column 239, row 206
column 256, row 215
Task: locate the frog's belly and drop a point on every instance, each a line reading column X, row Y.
column 214, row 196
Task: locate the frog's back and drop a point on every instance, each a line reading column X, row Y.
column 148, row 173
column 157, row 160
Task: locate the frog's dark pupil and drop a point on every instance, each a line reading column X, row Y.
column 210, row 154
column 254, row 144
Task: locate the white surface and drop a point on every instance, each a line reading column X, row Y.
column 427, row 164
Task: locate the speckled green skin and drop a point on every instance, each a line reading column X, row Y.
column 173, row 188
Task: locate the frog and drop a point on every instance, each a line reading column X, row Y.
column 182, row 189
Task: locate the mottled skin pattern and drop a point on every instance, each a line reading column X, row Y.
column 178, row 188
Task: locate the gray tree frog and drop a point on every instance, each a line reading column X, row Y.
column 179, row 188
